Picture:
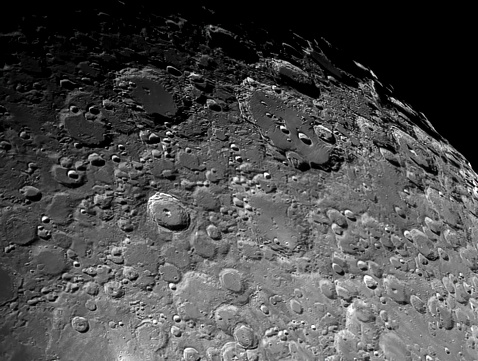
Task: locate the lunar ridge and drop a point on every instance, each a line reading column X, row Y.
column 174, row 187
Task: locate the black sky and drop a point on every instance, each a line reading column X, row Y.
column 426, row 54
column 426, row 57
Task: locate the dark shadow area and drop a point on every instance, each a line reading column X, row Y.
column 420, row 53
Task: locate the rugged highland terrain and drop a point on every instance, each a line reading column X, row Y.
column 172, row 189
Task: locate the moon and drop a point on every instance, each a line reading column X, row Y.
column 177, row 187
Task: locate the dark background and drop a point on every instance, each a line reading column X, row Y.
column 426, row 54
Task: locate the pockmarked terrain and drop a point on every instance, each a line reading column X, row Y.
column 173, row 189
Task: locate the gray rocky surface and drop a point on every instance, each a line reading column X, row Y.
column 176, row 190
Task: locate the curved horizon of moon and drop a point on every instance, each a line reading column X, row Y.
column 180, row 190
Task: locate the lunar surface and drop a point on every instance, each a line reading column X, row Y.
column 177, row 189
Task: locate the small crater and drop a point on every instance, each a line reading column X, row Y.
column 174, row 71
column 130, row 273
column 167, row 212
column 191, row 354
column 66, row 177
column 226, row 317
column 418, row 304
column 80, row 324
column 244, row 336
column 203, row 246
column 231, row 280
column 304, row 138
column 396, row 290
column 92, row 288
column 213, row 232
column 284, row 130
column 114, row 289
column 18, row 230
column 296, row 306
column 328, row 289
column 152, row 337
column 370, row 282
column 170, row 273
